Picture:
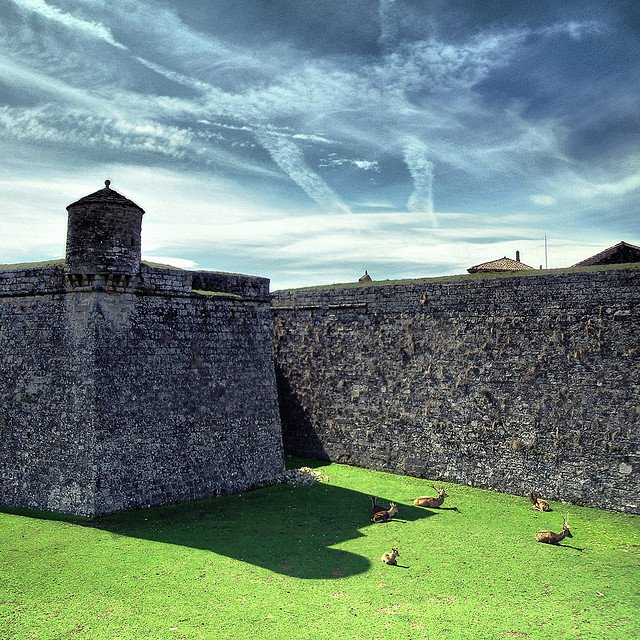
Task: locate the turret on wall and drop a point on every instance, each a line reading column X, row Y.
column 103, row 235
column 121, row 386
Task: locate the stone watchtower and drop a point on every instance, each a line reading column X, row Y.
column 103, row 238
column 125, row 384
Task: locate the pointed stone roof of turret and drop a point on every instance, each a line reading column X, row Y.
column 106, row 196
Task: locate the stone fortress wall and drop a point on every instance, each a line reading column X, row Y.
column 512, row 384
column 125, row 385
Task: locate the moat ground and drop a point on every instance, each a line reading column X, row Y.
column 304, row 562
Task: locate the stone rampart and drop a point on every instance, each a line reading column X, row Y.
column 112, row 400
column 127, row 384
column 511, row 383
column 241, row 285
column 32, row 280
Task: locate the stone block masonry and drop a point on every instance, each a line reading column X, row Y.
column 514, row 384
column 185, row 391
column 47, row 413
column 118, row 400
column 126, row 385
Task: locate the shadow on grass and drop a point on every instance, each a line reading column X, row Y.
column 283, row 528
column 287, row 529
column 570, row 546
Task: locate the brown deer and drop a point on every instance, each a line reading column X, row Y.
column 538, row 503
column 549, row 537
column 380, row 514
column 375, row 507
column 430, row 501
column 390, row 558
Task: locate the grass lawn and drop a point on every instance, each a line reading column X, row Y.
column 304, row 562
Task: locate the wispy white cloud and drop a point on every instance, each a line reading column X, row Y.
column 181, row 263
column 389, row 245
column 86, row 27
column 33, row 83
column 47, row 124
column 311, row 138
column 285, row 153
column 542, row 200
column 84, row 130
column 574, row 193
column 615, row 188
column 388, row 25
column 431, row 65
column 575, row 28
column 335, row 161
column 179, row 78
column 175, row 42
column 289, row 157
column 416, row 157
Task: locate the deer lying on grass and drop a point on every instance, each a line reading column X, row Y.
column 430, row 501
column 549, row 537
column 375, row 507
column 381, row 514
column 538, row 503
column 390, row 558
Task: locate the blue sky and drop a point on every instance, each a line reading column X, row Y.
column 308, row 141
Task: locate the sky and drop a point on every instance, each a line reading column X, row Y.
column 308, row 141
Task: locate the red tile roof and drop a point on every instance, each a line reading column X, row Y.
column 502, row 264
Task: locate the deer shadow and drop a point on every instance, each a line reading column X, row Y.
column 570, row 546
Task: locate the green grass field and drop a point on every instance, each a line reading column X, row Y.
column 304, row 562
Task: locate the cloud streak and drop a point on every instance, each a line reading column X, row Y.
column 290, row 158
column 416, row 157
column 88, row 28
column 416, row 104
column 388, row 28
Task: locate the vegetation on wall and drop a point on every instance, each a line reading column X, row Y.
column 475, row 276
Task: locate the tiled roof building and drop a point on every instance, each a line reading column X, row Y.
column 617, row 254
column 502, row 264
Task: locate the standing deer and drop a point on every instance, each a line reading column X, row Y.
column 538, row 503
column 430, row 501
column 549, row 537
column 390, row 557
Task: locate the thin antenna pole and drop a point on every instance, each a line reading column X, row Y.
column 545, row 251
